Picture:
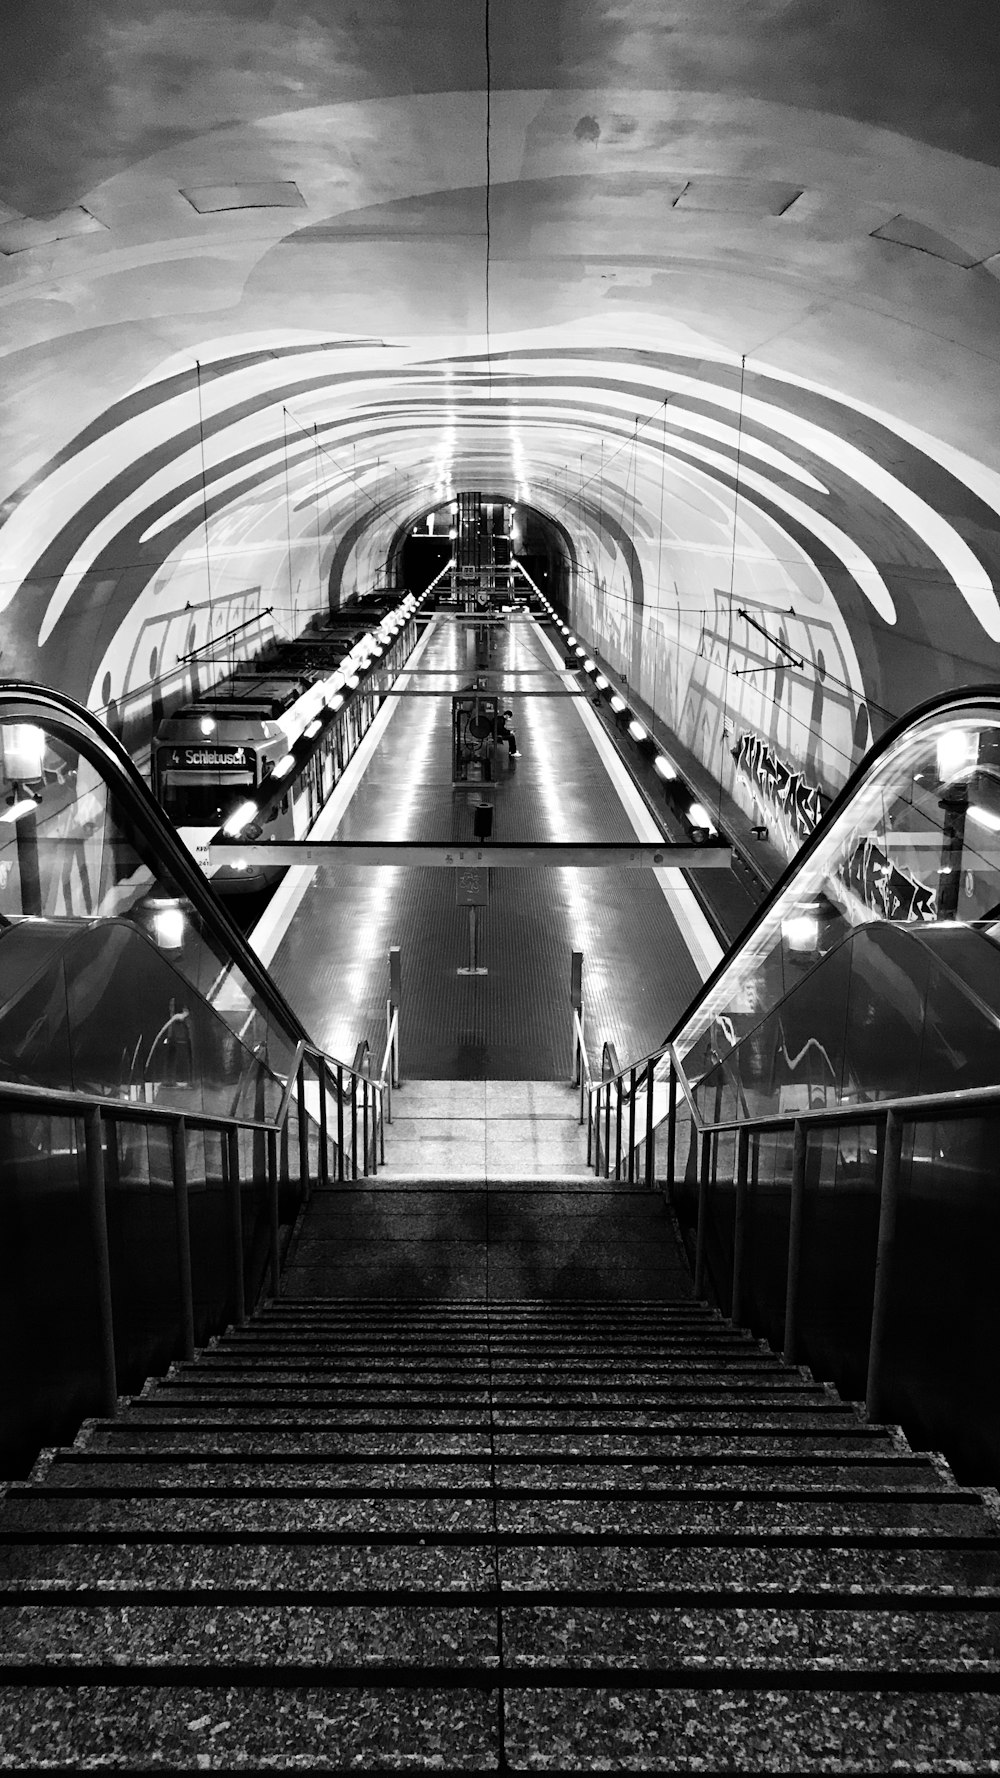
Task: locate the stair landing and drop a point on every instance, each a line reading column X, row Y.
column 480, row 1130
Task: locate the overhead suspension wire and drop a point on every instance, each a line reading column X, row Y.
column 489, row 190
column 497, row 1584
column 288, row 513
column 732, row 565
column 342, row 468
column 204, row 498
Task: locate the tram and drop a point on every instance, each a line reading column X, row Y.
column 292, row 719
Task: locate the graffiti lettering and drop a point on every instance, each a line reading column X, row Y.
column 889, row 891
column 869, row 872
column 783, row 793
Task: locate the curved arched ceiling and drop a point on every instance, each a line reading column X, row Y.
column 728, row 309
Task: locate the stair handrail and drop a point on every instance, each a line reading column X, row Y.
column 611, row 1067
column 388, row 1074
column 890, row 1116
column 96, row 1111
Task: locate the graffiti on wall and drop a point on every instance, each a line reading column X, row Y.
column 781, row 791
column 882, row 886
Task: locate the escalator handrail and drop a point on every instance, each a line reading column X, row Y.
column 71, row 1102
column 103, row 750
column 969, row 695
column 908, row 1106
column 908, row 934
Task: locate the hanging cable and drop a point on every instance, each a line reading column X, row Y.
column 204, row 499
column 489, row 186
column 732, row 567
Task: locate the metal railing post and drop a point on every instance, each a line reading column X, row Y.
column 892, row 1146
column 671, row 1130
column 182, row 1222
column 324, row 1141
column 701, row 1233
column 576, row 1002
column 98, row 1210
column 234, row 1192
column 799, row 1148
column 740, row 1228
column 618, row 1129
column 354, row 1126
column 364, row 1125
column 590, row 1129
column 381, row 1131
column 631, row 1127
column 396, row 997
column 650, row 1138
column 607, row 1130
column 305, row 1180
column 340, row 1123
column 272, row 1205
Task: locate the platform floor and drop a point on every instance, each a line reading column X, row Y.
column 515, row 1022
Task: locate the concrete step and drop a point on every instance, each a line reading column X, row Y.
column 631, row 1724
column 208, row 1392
column 753, row 1726
column 743, row 1575
column 258, row 1635
column 332, row 1728
column 292, row 1471
column 714, row 1418
column 887, row 1640
column 721, row 1516
column 553, row 1374
column 278, row 1433
column 189, row 1380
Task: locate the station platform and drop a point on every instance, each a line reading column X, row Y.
column 327, row 932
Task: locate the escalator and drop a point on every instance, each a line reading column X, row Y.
column 826, row 1113
column 162, row 1110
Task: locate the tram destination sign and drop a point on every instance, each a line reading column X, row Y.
column 200, row 758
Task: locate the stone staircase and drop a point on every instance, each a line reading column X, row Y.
column 472, row 1532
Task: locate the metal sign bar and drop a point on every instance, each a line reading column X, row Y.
column 527, row 691
column 526, row 855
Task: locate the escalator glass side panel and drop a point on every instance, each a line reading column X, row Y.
column 122, row 977
column 82, row 842
column 914, row 841
column 879, row 1017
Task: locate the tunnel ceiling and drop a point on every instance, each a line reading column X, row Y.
column 714, row 284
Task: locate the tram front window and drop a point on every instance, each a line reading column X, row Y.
column 202, row 805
